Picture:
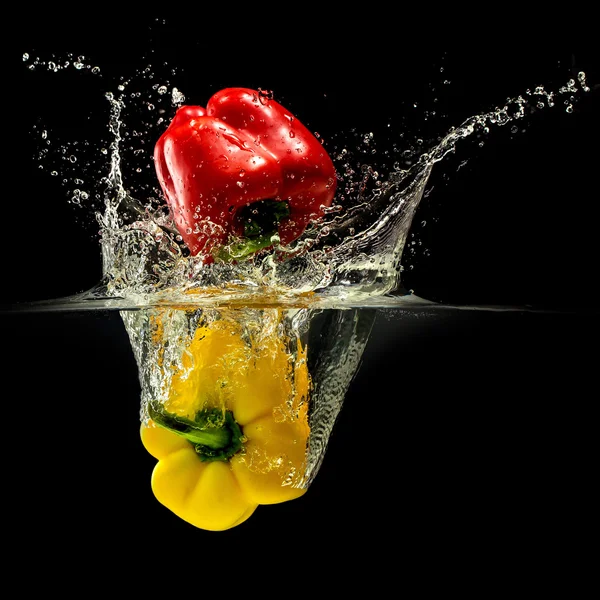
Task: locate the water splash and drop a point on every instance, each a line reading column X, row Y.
column 352, row 255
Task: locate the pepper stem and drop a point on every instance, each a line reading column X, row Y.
column 214, row 433
column 260, row 221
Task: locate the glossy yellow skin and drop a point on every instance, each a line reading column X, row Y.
column 266, row 388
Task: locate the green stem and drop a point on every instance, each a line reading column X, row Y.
column 243, row 248
column 214, row 434
column 260, row 221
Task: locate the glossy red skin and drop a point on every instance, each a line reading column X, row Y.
column 244, row 147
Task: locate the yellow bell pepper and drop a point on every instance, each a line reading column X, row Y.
column 233, row 432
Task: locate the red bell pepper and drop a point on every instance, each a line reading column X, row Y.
column 242, row 169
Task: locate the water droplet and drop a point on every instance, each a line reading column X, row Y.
column 264, row 96
column 240, row 184
column 177, row 97
column 96, row 70
column 292, row 133
column 44, row 134
column 582, row 81
column 25, row 56
column 72, row 158
column 242, row 172
column 54, row 173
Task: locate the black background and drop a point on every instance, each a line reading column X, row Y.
column 483, row 465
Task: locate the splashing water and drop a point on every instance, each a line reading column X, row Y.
column 351, row 257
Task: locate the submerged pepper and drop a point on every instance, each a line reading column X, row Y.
column 233, row 433
column 242, row 172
